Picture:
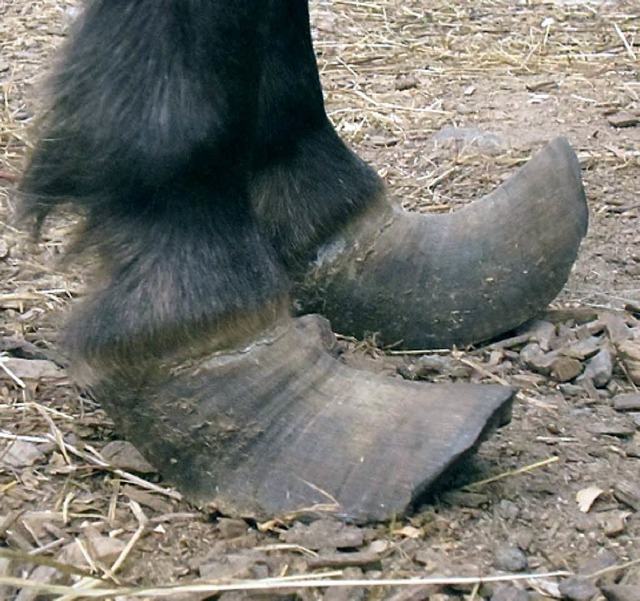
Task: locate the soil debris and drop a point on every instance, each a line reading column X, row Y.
column 324, row 534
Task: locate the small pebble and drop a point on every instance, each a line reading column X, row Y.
column 123, row 455
column 565, row 369
column 21, row 115
column 623, row 120
column 600, row 368
column 621, row 592
column 412, row 593
column 613, row 523
column 571, row 390
column 577, row 588
column 232, row 565
column 469, row 136
column 231, row 528
column 324, row 534
column 430, row 364
column 523, row 540
column 338, row 560
column 620, row 430
column 616, row 326
column 603, row 559
column 429, row 559
column 536, row 360
column 406, row 82
column 542, row 86
column 633, row 450
column 542, row 332
column 626, row 402
column 508, row 510
column 510, row 558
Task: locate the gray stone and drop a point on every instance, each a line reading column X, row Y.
column 536, row 360
column 619, row 430
column 324, row 534
column 626, row 402
column 627, row 492
column 19, row 453
column 621, row 592
column 542, row 332
column 603, row 559
column 616, row 327
column 31, row 369
column 571, row 390
column 577, row 588
column 508, row 509
column 600, row 368
column 510, row 558
column 510, row 593
column 623, row 120
column 583, row 349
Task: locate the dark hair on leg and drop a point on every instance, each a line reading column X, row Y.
column 306, row 183
column 148, row 135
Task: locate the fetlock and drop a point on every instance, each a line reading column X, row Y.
column 173, row 288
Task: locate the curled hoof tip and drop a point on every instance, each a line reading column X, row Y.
column 434, row 281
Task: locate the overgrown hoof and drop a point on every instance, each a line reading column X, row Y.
column 281, row 427
column 433, row 281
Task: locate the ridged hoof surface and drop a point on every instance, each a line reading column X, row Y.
column 281, row 427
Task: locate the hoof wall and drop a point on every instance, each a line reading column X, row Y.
column 282, row 428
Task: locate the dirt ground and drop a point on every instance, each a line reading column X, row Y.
column 507, row 76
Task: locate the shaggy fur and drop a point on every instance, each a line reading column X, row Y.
column 148, row 134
